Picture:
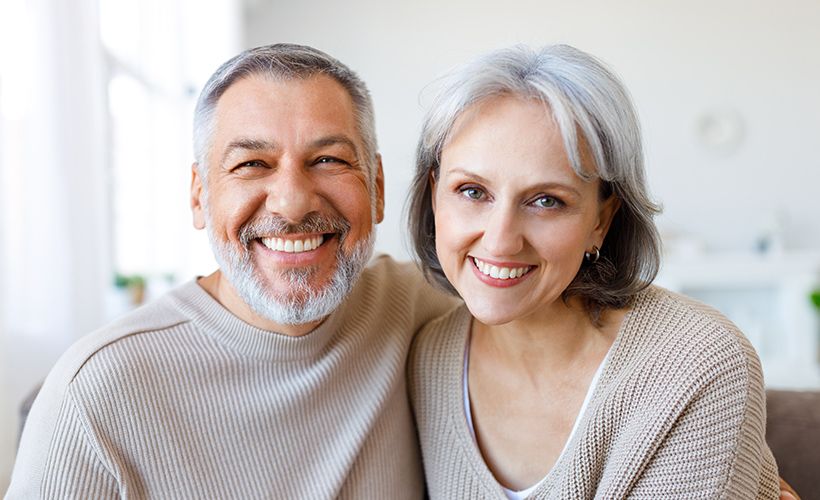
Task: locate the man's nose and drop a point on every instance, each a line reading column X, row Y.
column 503, row 235
column 291, row 192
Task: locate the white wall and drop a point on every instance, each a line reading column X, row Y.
column 681, row 60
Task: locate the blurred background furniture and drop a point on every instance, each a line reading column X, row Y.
column 793, row 434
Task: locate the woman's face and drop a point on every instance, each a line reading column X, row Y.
column 512, row 218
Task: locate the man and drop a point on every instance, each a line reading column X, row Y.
column 281, row 375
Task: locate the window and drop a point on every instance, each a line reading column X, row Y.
column 152, row 49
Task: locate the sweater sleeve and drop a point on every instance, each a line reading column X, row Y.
column 72, row 468
column 715, row 448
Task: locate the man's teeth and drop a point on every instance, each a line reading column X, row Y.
column 503, row 273
column 293, row 246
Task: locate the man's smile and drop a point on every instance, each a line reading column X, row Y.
column 297, row 250
column 293, row 244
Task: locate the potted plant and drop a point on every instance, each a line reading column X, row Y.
column 133, row 285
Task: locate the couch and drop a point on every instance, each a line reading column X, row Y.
column 793, row 434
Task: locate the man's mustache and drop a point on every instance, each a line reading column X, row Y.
column 273, row 225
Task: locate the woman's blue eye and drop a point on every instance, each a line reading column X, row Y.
column 472, row 193
column 546, row 202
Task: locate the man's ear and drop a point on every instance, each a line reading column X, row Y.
column 197, row 203
column 606, row 214
column 379, row 189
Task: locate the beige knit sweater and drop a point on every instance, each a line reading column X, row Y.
column 678, row 412
column 183, row 400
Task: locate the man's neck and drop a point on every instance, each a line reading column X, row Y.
column 223, row 292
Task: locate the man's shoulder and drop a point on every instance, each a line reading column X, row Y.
column 385, row 271
column 383, row 265
column 155, row 316
column 399, row 293
column 54, row 395
column 388, row 278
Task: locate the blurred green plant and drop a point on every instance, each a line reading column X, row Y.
column 128, row 280
column 815, row 298
column 133, row 284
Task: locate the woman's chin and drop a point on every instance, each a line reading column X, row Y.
column 491, row 317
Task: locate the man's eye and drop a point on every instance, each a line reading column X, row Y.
column 251, row 169
column 330, row 160
column 472, row 193
column 547, row 202
column 251, row 164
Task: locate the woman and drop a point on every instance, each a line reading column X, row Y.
column 566, row 375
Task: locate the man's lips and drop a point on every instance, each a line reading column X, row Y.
column 293, row 243
column 290, row 255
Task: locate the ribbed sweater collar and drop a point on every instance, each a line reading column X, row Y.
column 215, row 320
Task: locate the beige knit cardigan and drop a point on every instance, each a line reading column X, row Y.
column 678, row 412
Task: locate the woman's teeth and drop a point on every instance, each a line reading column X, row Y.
column 293, row 246
column 502, row 273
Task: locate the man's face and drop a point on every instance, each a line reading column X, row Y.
column 287, row 199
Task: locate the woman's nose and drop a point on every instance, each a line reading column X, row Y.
column 503, row 236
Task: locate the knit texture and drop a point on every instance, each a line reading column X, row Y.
column 181, row 399
column 678, row 412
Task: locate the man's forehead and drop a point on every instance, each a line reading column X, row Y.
column 316, row 106
column 292, row 93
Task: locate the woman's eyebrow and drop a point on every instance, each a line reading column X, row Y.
column 546, row 186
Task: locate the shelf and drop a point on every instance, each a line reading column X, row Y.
column 767, row 296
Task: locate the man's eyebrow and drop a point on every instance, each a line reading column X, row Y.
column 262, row 145
column 332, row 140
column 249, row 145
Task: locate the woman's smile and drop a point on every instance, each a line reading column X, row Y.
column 500, row 274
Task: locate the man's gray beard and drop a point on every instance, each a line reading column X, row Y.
column 300, row 303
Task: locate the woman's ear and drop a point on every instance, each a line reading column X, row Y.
column 432, row 181
column 606, row 214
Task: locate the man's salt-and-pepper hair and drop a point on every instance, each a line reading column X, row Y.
column 594, row 114
column 283, row 62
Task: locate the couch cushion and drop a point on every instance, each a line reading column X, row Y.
column 793, row 434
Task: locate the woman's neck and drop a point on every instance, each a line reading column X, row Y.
column 561, row 336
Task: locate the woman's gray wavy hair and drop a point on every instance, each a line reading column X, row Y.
column 283, row 61
column 594, row 113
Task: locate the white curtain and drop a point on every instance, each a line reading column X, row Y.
column 54, row 243
column 57, row 188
